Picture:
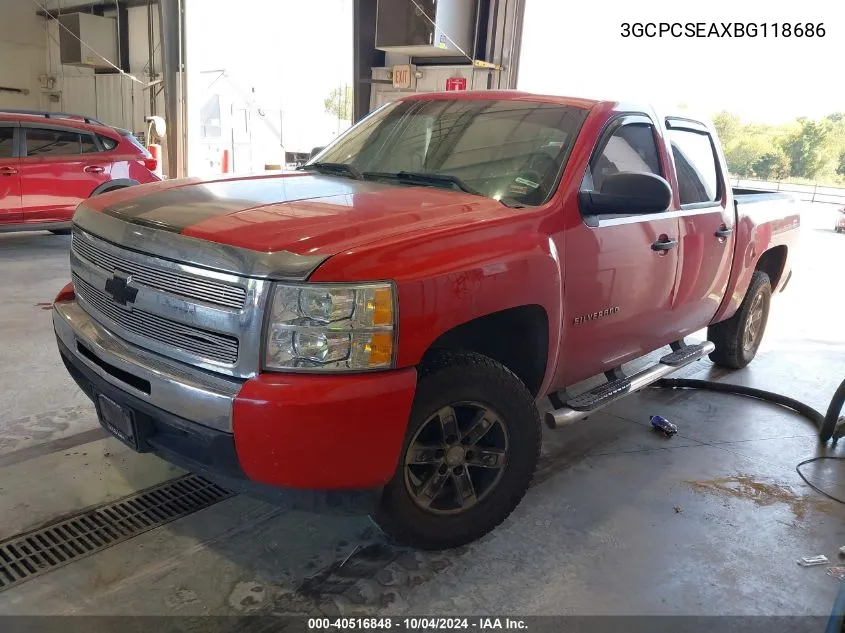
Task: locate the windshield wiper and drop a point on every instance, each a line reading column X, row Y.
column 335, row 169
column 422, row 178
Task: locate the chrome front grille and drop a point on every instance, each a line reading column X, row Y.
column 202, row 317
column 202, row 343
column 207, row 290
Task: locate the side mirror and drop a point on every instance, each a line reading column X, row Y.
column 627, row 193
column 315, row 151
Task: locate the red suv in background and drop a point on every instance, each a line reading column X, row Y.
column 50, row 162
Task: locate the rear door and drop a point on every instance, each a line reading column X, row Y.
column 10, row 181
column 60, row 168
column 707, row 223
column 620, row 269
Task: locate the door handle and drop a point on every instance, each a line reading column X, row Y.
column 8, row 171
column 94, row 169
column 664, row 245
column 724, row 231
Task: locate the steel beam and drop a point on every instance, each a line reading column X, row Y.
column 365, row 57
column 172, row 25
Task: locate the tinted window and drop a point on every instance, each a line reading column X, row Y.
column 7, row 144
column 631, row 149
column 42, row 142
column 695, row 162
column 500, row 148
column 89, row 145
column 107, row 143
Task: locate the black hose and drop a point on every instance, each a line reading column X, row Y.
column 826, row 424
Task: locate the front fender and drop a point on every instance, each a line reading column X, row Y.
column 447, row 279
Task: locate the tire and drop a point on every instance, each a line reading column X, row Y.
column 736, row 344
column 492, row 410
column 60, row 231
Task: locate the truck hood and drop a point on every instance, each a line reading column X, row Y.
column 305, row 214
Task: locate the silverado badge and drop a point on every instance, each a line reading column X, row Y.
column 595, row 315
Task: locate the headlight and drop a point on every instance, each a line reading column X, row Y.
column 319, row 327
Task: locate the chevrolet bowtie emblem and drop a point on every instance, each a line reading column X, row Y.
column 120, row 290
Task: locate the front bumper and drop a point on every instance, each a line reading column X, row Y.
column 316, row 443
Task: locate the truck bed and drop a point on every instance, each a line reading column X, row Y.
column 744, row 195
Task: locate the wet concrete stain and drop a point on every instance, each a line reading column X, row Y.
column 248, row 597
column 374, row 573
column 761, row 493
column 181, row 598
column 41, row 426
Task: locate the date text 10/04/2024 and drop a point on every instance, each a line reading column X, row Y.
column 417, row 624
column 723, row 29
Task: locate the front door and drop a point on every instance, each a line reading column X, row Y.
column 61, row 167
column 620, row 270
column 10, row 180
column 707, row 224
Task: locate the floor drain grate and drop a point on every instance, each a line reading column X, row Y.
column 44, row 549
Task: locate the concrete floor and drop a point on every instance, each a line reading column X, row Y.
column 619, row 520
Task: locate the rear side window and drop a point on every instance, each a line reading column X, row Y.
column 7, row 142
column 44, row 142
column 89, row 145
column 632, row 148
column 107, row 143
column 695, row 162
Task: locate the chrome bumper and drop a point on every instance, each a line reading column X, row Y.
column 186, row 392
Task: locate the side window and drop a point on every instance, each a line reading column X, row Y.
column 7, row 142
column 632, row 148
column 695, row 162
column 44, row 142
column 89, row 145
column 107, row 143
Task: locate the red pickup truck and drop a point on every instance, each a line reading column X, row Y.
column 370, row 334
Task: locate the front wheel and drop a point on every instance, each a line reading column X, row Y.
column 469, row 453
column 738, row 339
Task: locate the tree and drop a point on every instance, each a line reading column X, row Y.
column 339, row 103
column 809, row 147
column 744, row 152
column 728, row 126
column 840, row 167
column 773, row 165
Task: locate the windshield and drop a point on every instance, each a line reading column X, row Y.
column 503, row 149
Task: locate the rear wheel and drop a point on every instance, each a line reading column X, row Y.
column 738, row 339
column 469, row 453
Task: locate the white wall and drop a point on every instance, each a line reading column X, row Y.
column 113, row 98
column 22, row 54
column 29, row 55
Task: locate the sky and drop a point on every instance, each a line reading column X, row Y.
column 576, row 48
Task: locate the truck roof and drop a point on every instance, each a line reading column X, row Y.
column 512, row 95
column 576, row 102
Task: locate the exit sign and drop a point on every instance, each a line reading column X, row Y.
column 404, row 77
column 456, row 83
